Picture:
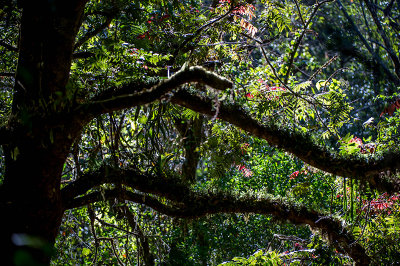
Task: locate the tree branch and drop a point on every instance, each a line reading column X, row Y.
column 382, row 33
column 191, row 134
column 140, row 96
column 190, row 204
column 173, row 189
column 302, row 145
column 82, row 55
column 91, row 34
column 197, row 33
column 148, row 257
column 375, row 56
column 297, row 44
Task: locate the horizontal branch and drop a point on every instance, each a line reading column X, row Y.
column 190, row 204
column 82, row 55
column 141, row 96
column 147, row 200
column 302, row 145
column 166, row 187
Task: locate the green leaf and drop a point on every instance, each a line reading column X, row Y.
column 85, row 251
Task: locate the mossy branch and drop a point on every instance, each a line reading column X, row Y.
column 303, row 146
column 185, row 203
column 142, row 96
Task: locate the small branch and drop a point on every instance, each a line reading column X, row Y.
column 388, row 9
column 299, row 11
column 143, row 240
column 191, row 134
column 375, row 56
column 91, row 34
column 297, row 44
column 198, row 31
column 382, row 33
column 82, row 55
column 92, row 216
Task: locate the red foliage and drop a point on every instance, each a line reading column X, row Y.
column 391, row 108
column 294, row 175
column 382, row 204
column 246, row 172
column 249, row 95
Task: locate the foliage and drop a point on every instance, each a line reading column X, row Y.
column 309, row 123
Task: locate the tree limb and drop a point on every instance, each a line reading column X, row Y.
column 297, row 44
column 197, row 33
column 82, row 55
column 382, row 33
column 190, row 204
column 148, row 257
column 140, row 96
column 302, row 145
column 375, row 56
column 171, row 188
column 91, row 34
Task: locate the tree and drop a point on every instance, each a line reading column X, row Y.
column 56, row 96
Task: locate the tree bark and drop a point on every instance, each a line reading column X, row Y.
column 30, row 198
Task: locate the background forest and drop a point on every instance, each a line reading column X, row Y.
column 200, row 132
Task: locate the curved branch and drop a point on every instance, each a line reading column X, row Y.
column 303, row 146
column 165, row 186
column 140, row 96
column 195, row 205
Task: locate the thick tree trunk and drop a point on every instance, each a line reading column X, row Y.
column 31, row 204
column 30, row 199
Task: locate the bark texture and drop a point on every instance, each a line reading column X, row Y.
column 30, row 198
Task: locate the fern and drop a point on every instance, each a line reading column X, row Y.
column 302, row 86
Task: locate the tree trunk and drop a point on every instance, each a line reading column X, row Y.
column 31, row 204
column 42, row 132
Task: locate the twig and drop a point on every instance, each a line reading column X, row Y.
column 298, row 10
column 297, row 44
column 91, row 34
column 375, row 56
column 199, row 30
column 92, row 216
